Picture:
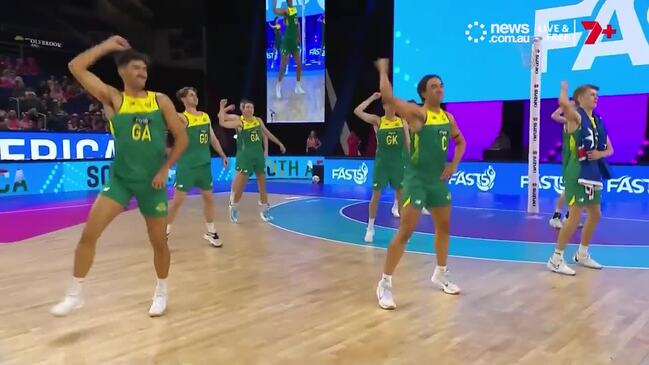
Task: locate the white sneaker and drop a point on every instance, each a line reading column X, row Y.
column 556, row 223
column 369, row 235
column 440, row 279
column 299, row 89
column 265, row 213
column 159, row 305
column 278, row 90
column 586, row 261
column 395, row 211
column 425, row 211
column 558, row 264
column 213, row 239
column 384, row 296
column 67, row 305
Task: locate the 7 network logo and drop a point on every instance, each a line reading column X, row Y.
column 632, row 43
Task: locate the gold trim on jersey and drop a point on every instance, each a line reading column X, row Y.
column 249, row 124
column 436, row 118
column 196, row 120
column 385, row 123
column 132, row 105
column 291, row 10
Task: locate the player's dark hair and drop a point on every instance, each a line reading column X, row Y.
column 184, row 91
column 247, row 101
column 122, row 58
column 421, row 86
column 581, row 90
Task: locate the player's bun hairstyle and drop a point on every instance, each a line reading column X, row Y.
column 421, row 86
column 180, row 94
column 122, row 58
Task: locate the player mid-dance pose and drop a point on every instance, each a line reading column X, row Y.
column 194, row 168
column 250, row 154
column 425, row 183
column 290, row 46
column 138, row 119
column 393, row 140
column 582, row 174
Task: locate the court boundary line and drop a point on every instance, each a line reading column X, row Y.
column 329, row 240
column 426, row 253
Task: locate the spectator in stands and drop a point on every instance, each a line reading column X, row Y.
column 95, row 106
column 98, row 124
column 19, row 88
column 353, row 142
column 3, row 115
column 26, row 123
column 370, row 149
column 56, row 91
column 31, row 101
column 73, row 123
column 43, row 88
column 32, row 67
column 313, row 143
column 6, row 81
column 12, row 121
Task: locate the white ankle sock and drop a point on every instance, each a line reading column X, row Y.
column 583, row 250
column 210, row 227
column 558, row 253
column 168, row 228
column 161, row 288
column 441, row 268
column 76, row 286
column 370, row 223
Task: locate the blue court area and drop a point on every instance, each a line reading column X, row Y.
column 483, row 225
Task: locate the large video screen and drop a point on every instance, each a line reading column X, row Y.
column 295, row 61
column 483, row 50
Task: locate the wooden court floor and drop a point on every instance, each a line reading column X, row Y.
column 272, row 297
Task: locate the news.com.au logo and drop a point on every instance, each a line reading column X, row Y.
column 477, row 32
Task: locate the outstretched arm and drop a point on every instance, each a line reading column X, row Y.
column 411, row 112
column 367, row 117
column 79, row 69
column 271, row 136
column 557, row 117
column 573, row 119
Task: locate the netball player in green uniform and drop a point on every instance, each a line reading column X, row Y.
column 138, row 119
column 425, row 183
column 194, row 169
column 393, row 139
column 290, row 46
column 250, row 158
column 579, row 197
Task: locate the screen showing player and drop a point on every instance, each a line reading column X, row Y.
column 295, row 61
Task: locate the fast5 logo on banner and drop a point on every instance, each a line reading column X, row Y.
column 55, row 146
column 349, row 172
column 601, row 41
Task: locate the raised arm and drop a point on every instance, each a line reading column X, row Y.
column 557, row 117
column 460, row 148
column 231, row 121
column 367, row 117
column 271, row 136
column 278, row 11
column 177, row 129
column 573, row 119
column 79, row 69
column 413, row 113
